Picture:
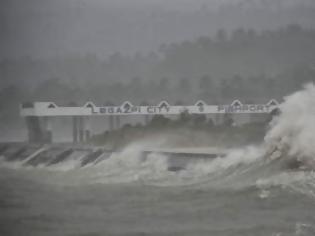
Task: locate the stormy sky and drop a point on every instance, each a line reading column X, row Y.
column 45, row 28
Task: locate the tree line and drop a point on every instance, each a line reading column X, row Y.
column 243, row 64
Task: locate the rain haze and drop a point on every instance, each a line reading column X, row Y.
column 157, row 117
column 103, row 27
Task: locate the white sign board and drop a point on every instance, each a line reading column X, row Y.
column 51, row 109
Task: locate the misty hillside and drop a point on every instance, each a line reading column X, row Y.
column 244, row 53
column 145, row 51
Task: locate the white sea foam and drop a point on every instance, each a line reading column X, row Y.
column 293, row 132
column 291, row 136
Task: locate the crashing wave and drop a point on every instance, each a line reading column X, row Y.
column 289, row 145
column 292, row 133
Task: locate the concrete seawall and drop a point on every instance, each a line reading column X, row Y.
column 37, row 155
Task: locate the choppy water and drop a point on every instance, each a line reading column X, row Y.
column 267, row 190
column 240, row 194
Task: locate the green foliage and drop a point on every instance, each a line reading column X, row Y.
column 159, row 121
column 192, row 123
column 201, row 120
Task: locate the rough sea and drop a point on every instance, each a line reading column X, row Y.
column 263, row 190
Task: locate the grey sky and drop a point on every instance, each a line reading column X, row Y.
column 41, row 28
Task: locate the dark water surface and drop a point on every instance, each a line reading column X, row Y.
column 30, row 206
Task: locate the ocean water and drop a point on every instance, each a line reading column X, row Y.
column 263, row 190
column 125, row 195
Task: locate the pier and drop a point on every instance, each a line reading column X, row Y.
column 38, row 115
